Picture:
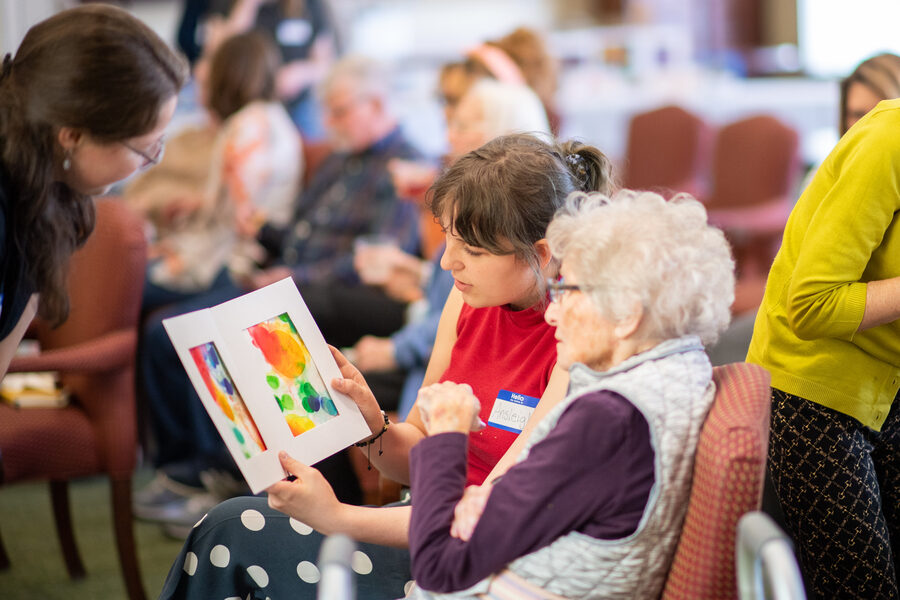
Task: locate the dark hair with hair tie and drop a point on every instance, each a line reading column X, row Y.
column 502, row 196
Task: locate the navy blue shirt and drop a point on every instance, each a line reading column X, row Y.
column 350, row 194
column 14, row 289
column 592, row 474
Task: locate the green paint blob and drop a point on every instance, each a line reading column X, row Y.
column 273, row 381
column 238, row 435
column 287, row 403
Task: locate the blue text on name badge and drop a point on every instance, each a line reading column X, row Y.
column 511, row 411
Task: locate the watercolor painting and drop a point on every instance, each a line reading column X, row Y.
column 292, row 375
column 220, row 385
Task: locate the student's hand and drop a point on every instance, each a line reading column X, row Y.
column 374, row 354
column 468, row 511
column 449, row 406
column 308, row 498
column 354, row 385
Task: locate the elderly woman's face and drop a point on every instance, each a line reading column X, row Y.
column 583, row 335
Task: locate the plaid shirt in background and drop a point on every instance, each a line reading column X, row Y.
column 349, row 195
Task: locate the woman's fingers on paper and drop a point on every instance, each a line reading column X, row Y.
column 365, row 401
column 347, row 369
column 291, row 465
column 339, row 358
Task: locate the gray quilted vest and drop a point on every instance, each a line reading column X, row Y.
column 671, row 384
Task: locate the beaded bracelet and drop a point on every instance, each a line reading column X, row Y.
column 368, row 443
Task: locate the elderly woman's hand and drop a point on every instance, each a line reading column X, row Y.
column 468, row 511
column 449, row 407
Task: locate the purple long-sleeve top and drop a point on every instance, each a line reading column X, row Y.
column 592, row 474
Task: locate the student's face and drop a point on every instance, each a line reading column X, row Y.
column 860, row 100
column 583, row 335
column 487, row 279
column 96, row 165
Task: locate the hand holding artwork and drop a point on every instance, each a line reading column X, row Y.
column 449, row 406
column 354, row 385
column 468, row 511
column 308, row 498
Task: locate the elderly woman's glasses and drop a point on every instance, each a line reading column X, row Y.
column 558, row 288
column 152, row 156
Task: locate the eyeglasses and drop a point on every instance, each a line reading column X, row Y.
column 153, row 155
column 558, row 288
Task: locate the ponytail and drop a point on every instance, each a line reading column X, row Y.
column 590, row 169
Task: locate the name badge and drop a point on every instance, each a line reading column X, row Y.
column 293, row 32
column 511, row 411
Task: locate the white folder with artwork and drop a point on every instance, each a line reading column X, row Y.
column 263, row 372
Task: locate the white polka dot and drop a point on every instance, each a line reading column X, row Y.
column 253, row 519
column 197, row 524
column 300, row 527
column 409, row 586
column 308, row 572
column 259, row 575
column 190, row 563
column 361, row 563
column 219, row 556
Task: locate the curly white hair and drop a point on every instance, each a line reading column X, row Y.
column 637, row 248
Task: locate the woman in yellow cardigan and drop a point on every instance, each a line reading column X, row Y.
column 828, row 331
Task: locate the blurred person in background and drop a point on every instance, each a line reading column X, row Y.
column 252, row 175
column 520, row 56
column 875, row 79
column 304, row 34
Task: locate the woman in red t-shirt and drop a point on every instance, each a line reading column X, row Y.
column 494, row 205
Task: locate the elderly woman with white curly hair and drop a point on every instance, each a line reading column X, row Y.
column 595, row 504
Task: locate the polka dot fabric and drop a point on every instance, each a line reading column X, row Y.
column 242, row 548
column 728, row 480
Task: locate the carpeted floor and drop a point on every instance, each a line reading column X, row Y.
column 38, row 572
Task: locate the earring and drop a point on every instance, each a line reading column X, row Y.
column 67, row 162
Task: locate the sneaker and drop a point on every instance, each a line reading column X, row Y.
column 223, row 484
column 163, row 498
